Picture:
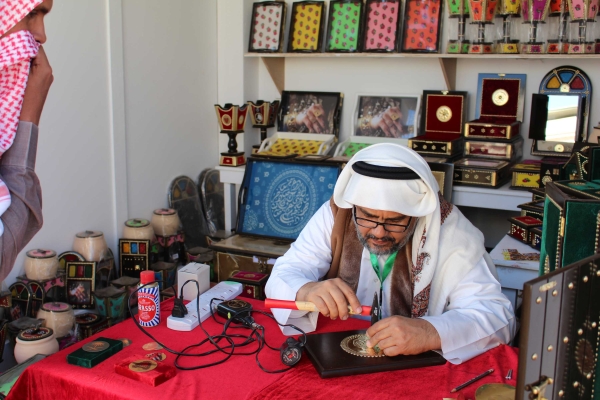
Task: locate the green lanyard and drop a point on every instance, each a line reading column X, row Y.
column 387, row 267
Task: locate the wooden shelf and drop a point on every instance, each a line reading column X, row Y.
column 275, row 62
column 502, row 198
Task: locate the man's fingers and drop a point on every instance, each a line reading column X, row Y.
column 391, row 125
column 321, row 305
column 385, row 128
column 350, row 297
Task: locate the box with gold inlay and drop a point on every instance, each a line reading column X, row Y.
column 520, row 227
column 442, row 123
column 477, row 172
column 499, row 112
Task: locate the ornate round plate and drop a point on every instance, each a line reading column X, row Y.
column 495, row 391
column 357, row 346
column 500, row 97
column 444, row 113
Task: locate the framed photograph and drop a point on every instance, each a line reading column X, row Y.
column 422, row 26
column 345, row 26
column 388, row 116
column 306, row 27
column 267, row 27
column 80, row 283
column 310, row 112
column 382, row 26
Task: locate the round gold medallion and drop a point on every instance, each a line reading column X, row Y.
column 565, row 88
column 152, row 346
column 357, row 346
column 495, row 391
column 559, row 148
column 444, row 113
column 96, row 346
column 143, row 365
column 500, row 97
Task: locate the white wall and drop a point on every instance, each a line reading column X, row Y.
column 129, row 110
column 170, row 91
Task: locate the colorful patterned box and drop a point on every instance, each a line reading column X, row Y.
column 345, row 26
column 306, row 26
column 267, row 26
column 382, row 26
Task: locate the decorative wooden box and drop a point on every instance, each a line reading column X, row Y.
column 535, row 237
column 500, row 99
column 525, row 176
column 551, row 170
column 533, row 209
column 508, row 151
column 520, row 227
column 486, row 173
column 254, row 283
column 442, row 120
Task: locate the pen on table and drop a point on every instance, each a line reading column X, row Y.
column 478, row 377
column 306, row 306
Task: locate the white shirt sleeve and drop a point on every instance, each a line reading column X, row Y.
column 307, row 260
column 477, row 317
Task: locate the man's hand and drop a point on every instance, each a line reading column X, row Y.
column 314, row 118
column 389, row 122
column 331, row 297
column 400, row 335
column 38, row 85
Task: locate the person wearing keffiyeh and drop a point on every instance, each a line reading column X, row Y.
column 387, row 230
column 25, row 79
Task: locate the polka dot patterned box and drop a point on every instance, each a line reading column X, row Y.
column 345, row 27
column 382, row 26
column 306, row 28
column 267, row 27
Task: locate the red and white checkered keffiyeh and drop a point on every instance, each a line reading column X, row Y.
column 16, row 52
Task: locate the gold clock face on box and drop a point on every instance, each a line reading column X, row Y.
column 444, row 113
column 500, row 97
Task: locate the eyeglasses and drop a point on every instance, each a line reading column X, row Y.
column 367, row 223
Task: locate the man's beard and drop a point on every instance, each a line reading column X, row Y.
column 385, row 251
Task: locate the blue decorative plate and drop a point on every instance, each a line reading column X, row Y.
column 279, row 198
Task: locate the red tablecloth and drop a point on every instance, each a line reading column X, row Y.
column 240, row 377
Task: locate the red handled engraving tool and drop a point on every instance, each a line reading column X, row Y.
column 308, row 306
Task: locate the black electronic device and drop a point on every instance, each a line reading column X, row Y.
column 237, row 311
column 291, row 352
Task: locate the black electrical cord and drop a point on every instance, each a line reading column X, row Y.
column 257, row 335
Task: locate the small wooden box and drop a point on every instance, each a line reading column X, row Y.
column 520, row 227
column 254, row 283
column 442, row 123
column 485, row 173
column 500, row 99
column 525, row 176
column 93, row 353
column 535, row 236
column 90, row 324
column 537, row 194
column 533, row 209
column 551, row 170
column 507, row 151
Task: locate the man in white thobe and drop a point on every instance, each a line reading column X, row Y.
column 387, row 230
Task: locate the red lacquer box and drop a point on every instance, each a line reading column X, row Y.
column 500, row 107
column 254, row 283
column 520, row 227
column 442, row 122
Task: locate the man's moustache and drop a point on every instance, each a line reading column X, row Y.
column 385, row 238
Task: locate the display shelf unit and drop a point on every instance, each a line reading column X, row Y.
column 275, row 62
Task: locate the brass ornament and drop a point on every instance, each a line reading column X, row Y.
column 500, row 97
column 495, row 391
column 357, row 346
column 559, row 148
column 143, row 365
column 443, row 114
column 96, row 346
